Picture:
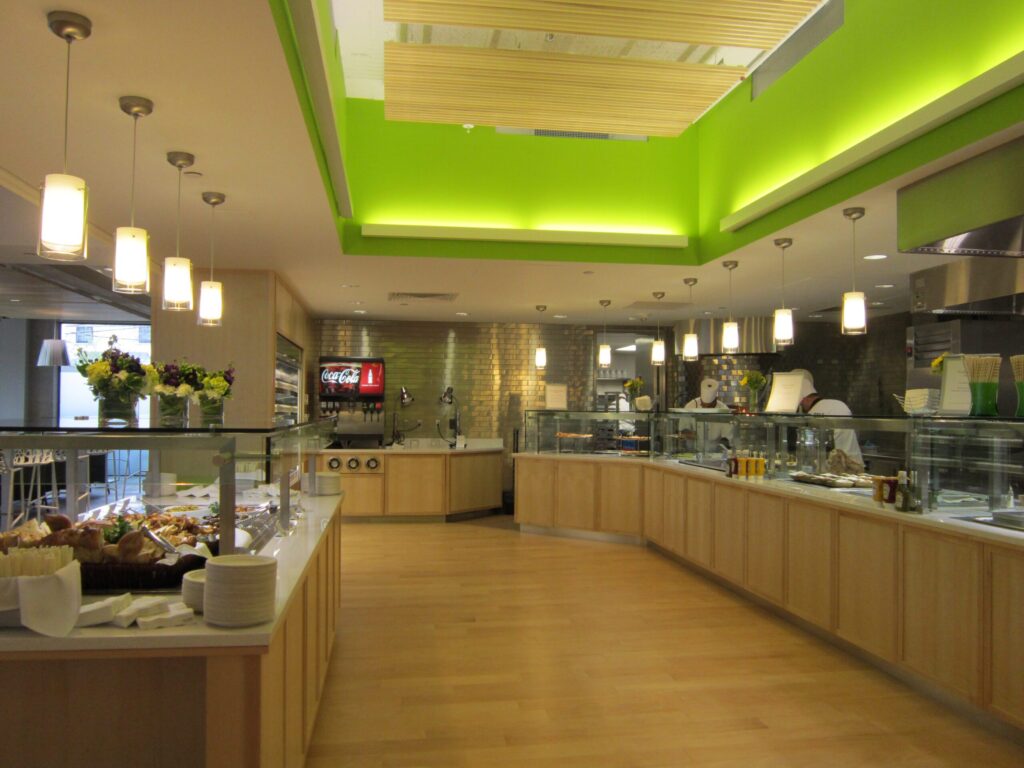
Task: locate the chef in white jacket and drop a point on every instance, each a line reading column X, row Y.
column 814, row 404
column 709, row 402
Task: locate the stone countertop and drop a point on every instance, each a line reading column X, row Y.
column 944, row 522
column 292, row 553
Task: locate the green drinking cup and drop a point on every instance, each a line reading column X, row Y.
column 985, row 398
column 1020, row 400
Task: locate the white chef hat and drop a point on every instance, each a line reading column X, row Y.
column 708, row 390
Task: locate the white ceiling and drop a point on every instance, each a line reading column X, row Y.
column 227, row 96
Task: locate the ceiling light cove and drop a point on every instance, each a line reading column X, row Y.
column 547, row 234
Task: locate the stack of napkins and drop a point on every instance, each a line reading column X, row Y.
column 45, row 604
column 921, row 401
column 148, row 612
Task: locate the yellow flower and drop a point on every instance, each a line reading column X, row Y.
column 97, row 372
column 743, row 381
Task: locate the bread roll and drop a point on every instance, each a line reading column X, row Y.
column 57, row 522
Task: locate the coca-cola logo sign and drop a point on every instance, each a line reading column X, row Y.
column 340, row 376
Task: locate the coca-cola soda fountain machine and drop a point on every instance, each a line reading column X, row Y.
column 351, row 390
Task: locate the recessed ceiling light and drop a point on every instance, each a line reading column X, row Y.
column 885, row 285
column 357, row 303
column 559, row 317
column 468, row 126
column 462, row 314
column 707, row 312
column 816, row 315
column 875, row 257
column 588, row 272
column 15, row 300
column 348, row 285
column 877, row 304
column 359, row 311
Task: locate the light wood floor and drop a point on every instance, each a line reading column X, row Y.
column 471, row 645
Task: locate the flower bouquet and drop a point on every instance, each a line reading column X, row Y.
column 215, row 388
column 117, row 381
column 174, row 384
column 754, row 381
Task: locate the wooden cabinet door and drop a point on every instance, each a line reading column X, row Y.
column 364, row 495
column 698, row 522
column 535, row 492
column 675, row 512
column 867, row 579
column 474, row 481
column 415, row 485
column 810, row 579
column 730, row 531
column 577, row 502
column 654, row 505
column 1005, row 630
column 620, row 499
column 766, row 545
column 942, row 609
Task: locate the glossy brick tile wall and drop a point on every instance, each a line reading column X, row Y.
column 490, row 366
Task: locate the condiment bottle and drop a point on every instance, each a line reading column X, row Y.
column 902, row 500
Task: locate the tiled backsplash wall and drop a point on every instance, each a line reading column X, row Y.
column 489, row 365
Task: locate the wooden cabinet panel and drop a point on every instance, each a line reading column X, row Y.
column 810, row 580
column 474, row 481
column 1006, row 628
column 294, row 689
column 654, row 505
column 577, row 485
column 941, row 609
column 620, row 499
column 698, row 522
column 311, row 655
column 730, row 531
column 535, row 492
column 415, row 485
column 364, row 495
column 674, row 497
column 867, row 588
column 766, row 545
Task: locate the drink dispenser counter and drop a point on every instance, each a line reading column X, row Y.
column 351, row 390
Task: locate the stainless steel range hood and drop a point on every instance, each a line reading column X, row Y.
column 756, row 335
column 989, row 287
column 974, row 208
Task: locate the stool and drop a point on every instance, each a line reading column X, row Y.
column 37, row 460
column 8, row 474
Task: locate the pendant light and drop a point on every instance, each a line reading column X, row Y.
column 540, row 355
column 783, row 327
column 691, row 345
column 211, row 293
column 53, row 352
column 178, row 271
column 731, row 329
column 855, row 316
column 604, row 351
column 64, row 199
column 658, row 347
column 131, row 249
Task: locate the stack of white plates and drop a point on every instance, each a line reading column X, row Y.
column 240, row 590
column 192, row 586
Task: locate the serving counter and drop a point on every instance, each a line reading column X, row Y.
column 930, row 597
column 424, row 484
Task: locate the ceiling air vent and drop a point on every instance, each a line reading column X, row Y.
column 422, row 297
column 568, row 134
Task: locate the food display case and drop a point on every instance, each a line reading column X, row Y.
column 621, row 434
column 289, row 398
column 204, row 492
column 971, row 465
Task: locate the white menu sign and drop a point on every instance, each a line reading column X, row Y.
column 785, row 396
column 955, row 399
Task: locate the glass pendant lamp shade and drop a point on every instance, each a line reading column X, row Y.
column 855, row 316
column 177, row 284
column 691, row 346
column 540, row 358
column 604, row 356
column 730, row 338
column 211, row 303
column 62, row 222
column 658, row 352
column 131, row 260
column 783, row 328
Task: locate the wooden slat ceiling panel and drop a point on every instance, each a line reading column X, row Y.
column 486, row 86
column 746, row 23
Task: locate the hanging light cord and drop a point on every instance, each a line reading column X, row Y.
column 730, row 295
column 783, row 276
column 177, row 244
column 853, row 259
column 213, row 211
column 135, row 138
column 67, row 101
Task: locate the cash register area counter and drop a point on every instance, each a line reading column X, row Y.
column 936, row 601
column 195, row 695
